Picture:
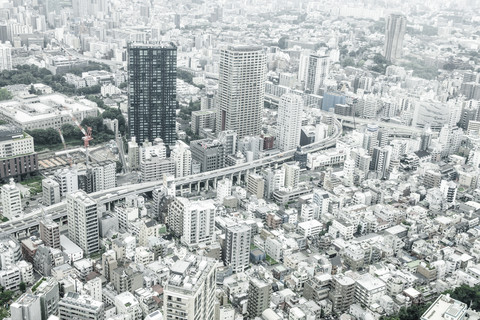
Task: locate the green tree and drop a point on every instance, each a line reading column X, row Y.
column 5, row 94
column 23, row 286
column 119, row 166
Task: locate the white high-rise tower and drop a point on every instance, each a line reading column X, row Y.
column 241, row 90
column 289, row 121
column 83, row 221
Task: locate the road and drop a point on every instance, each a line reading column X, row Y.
column 382, row 124
column 106, row 196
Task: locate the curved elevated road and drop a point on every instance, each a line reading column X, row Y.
column 58, row 211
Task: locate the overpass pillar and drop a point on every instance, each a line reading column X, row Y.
column 206, row 185
column 215, row 183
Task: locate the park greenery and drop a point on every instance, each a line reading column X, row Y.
column 186, row 112
column 29, row 74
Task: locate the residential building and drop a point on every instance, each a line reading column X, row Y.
column 395, row 27
column 192, row 220
column 313, row 71
column 152, row 73
column 237, row 247
column 241, row 90
column 50, row 191
column 255, row 185
column 290, row 111
column 188, row 298
column 49, row 232
column 76, row 306
column 182, row 157
column 26, row 307
column 11, row 200
column 259, row 294
column 82, row 217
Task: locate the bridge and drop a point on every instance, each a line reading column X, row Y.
column 29, row 223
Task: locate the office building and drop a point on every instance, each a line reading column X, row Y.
column 312, row 71
column 46, row 111
column 255, row 185
column 228, row 139
column 192, row 220
column 208, row 153
column 76, row 306
column 5, row 56
column 395, row 27
column 289, row 121
column 152, row 73
column 11, row 200
column 190, row 298
column 17, row 156
column 259, row 293
column 51, row 191
column 237, row 247
column 241, row 90
column 82, row 218
column 27, row 307
column 182, row 157
column 203, row 119
column 49, row 232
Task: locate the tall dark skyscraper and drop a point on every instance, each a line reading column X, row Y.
column 152, row 76
column 394, row 32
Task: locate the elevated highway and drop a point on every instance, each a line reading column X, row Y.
column 29, row 223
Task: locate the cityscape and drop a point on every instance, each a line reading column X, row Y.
column 239, row 160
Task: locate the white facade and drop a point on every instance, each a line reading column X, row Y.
column 273, row 248
column 50, row 191
column 237, row 247
column 193, row 219
column 5, row 56
column 127, row 304
column 11, row 200
column 241, row 90
column 289, row 121
column 224, row 189
column 188, row 298
column 182, row 157
column 20, row 143
column 309, row 228
column 43, row 112
column 67, row 180
column 292, row 175
column 83, row 221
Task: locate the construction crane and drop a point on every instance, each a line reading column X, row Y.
column 87, row 136
column 69, row 157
